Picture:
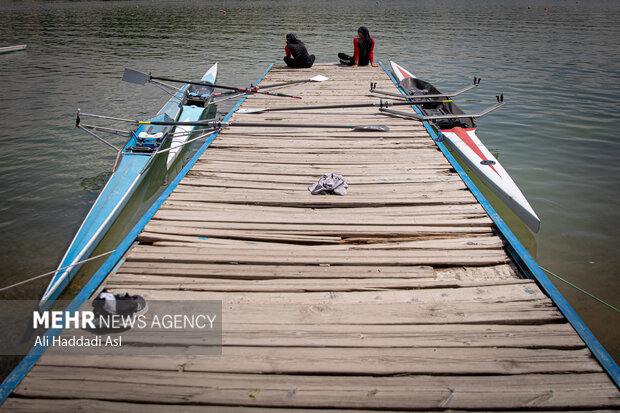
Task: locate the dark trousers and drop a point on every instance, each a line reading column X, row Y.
column 290, row 62
column 345, row 59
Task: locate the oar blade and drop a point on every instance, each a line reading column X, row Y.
column 133, row 76
column 319, row 78
column 371, row 128
column 257, row 110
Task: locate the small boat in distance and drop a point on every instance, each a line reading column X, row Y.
column 133, row 162
column 8, row 49
column 460, row 132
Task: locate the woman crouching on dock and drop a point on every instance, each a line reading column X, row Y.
column 363, row 46
column 296, row 54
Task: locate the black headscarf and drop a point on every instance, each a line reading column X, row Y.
column 364, row 31
column 292, row 37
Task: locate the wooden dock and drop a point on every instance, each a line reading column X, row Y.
column 398, row 296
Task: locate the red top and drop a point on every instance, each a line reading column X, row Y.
column 356, row 52
column 288, row 52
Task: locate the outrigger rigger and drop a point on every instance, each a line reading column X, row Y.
column 133, row 161
column 459, row 129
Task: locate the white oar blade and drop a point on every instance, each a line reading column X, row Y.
column 258, row 110
column 133, row 76
column 319, row 78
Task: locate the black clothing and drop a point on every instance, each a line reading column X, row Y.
column 362, row 50
column 297, row 56
column 294, row 63
column 365, row 46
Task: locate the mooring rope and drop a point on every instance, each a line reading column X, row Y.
column 580, row 289
column 55, row 271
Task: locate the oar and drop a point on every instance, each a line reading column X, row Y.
column 319, row 78
column 232, row 94
column 350, row 105
column 220, row 124
column 133, row 76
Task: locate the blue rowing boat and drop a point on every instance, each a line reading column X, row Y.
column 188, row 103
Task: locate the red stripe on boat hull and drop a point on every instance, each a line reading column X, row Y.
column 464, row 136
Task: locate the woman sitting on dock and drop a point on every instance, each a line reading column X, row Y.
column 363, row 46
column 296, row 54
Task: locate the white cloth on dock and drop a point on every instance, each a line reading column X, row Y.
column 329, row 184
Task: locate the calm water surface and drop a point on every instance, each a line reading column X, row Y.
column 559, row 70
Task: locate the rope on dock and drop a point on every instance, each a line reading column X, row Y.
column 55, row 271
column 580, row 289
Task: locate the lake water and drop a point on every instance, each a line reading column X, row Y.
column 559, row 70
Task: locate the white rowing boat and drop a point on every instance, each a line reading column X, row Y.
column 460, row 132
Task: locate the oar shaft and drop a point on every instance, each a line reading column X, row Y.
column 283, row 84
column 189, row 82
column 236, row 89
column 345, row 106
column 220, row 124
column 286, row 125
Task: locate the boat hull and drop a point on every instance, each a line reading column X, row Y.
column 466, row 144
column 112, row 199
column 9, row 49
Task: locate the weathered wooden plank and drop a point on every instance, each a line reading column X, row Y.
column 560, row 336
column 306, row 200
column 351, row 180
column 346, row 361
column 270, row 248
column 64, row 405
column 546, row 391
column 241, row 308
column 392, row 211
column 318, row 168
column 134, row 282
column 377, row 189
column 275, row 271
column 230, row 229
column 331, row 159
column 240, row 234
column 468, row 243
column 309, row 257
column 527, row 293
column 321, row 218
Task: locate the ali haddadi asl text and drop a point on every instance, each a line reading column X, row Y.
column 78, row 341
